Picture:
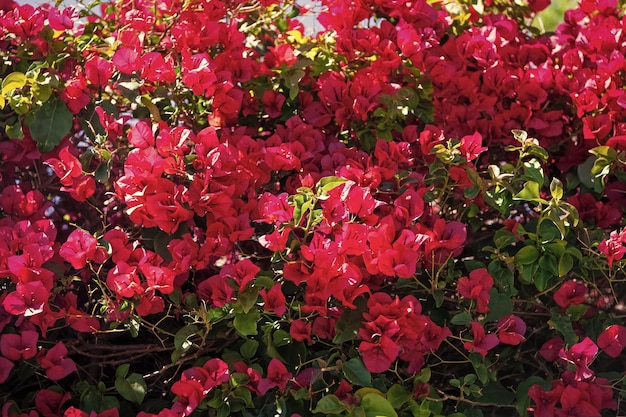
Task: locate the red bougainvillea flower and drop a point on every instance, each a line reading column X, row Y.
column 5, row 369
column 511, row 330
column 550, row 350
column 379, row 356
column 471, row 146
column 613, row 340
column 570, row 293
column 576, row 401
column 19, row 346
column 614, row 248
column 82, row 188
column 300, row 331
column 277, row 376
column 217, row 371
column 581, row 355
column 29, row 298
column 124, row 280
column 274, row 300
column 482, row 342
column 75, row 412
column 545, row 401
column 189, row 395
column 55, row 362
column 477, row 287
column 79, row 248
column 50, row 403
column 66, row 167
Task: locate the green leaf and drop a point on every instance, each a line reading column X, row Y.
column 576, row 312
column 539, row 152
column 604, row 152
column 556, row 189
column 246, row 323
column 102, row 173
column 326, row 184
column 503, row 238
column 520, row 135
column 438, row 295
column 397, row 395
column 122, row 371
column 496, row 393
column 244, row 394
column 522, row 399
column 482, row 372
column 530, row 192
column 350, row 322
column 548, row 230
column 249, row 348
column 527, row 255
column 49, row 124
column 248, row 298
column 375, row 405
column 133, row 388
column 14, row 131
column 13, row 81
column 356, row 373
column 563, row 324
column 330, row 404
column 461, row 318
column 181, row 339
column 499, row 305
column 133, row 324
column 424, row 375
column 566, row 262
column 586, row 178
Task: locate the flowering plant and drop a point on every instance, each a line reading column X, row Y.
column 205, row 210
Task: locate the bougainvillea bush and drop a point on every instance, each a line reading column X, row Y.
column 206, row 209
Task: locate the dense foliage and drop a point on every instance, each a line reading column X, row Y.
column 207, row 210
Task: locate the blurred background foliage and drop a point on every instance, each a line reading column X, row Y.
column 550, row 18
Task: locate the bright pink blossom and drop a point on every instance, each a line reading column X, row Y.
column 581, row 355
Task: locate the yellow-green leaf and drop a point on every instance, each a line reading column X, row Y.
column 12, row 82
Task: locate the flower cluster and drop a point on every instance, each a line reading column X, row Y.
column 205, row 211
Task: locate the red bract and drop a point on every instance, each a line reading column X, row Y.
column 29, row 299
column 19, row 346
column 218, row 373
column 511, row 330
column 482, row 342
column 277, row 377
column 274, row 300
column 5, row 369
column 79, row 248
column 300, row 330
column 581, row 355
column 550, row 349
column 66, row 167
column 545, row 402
column 477, row 287
column 75, row 412
column 570, row 293
column 124, row 280
column 614, row 248
column 50, row 403
column 379, row 355
column 613, row 340
column 55, row 362
column 98, row 71
column 127, row 60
